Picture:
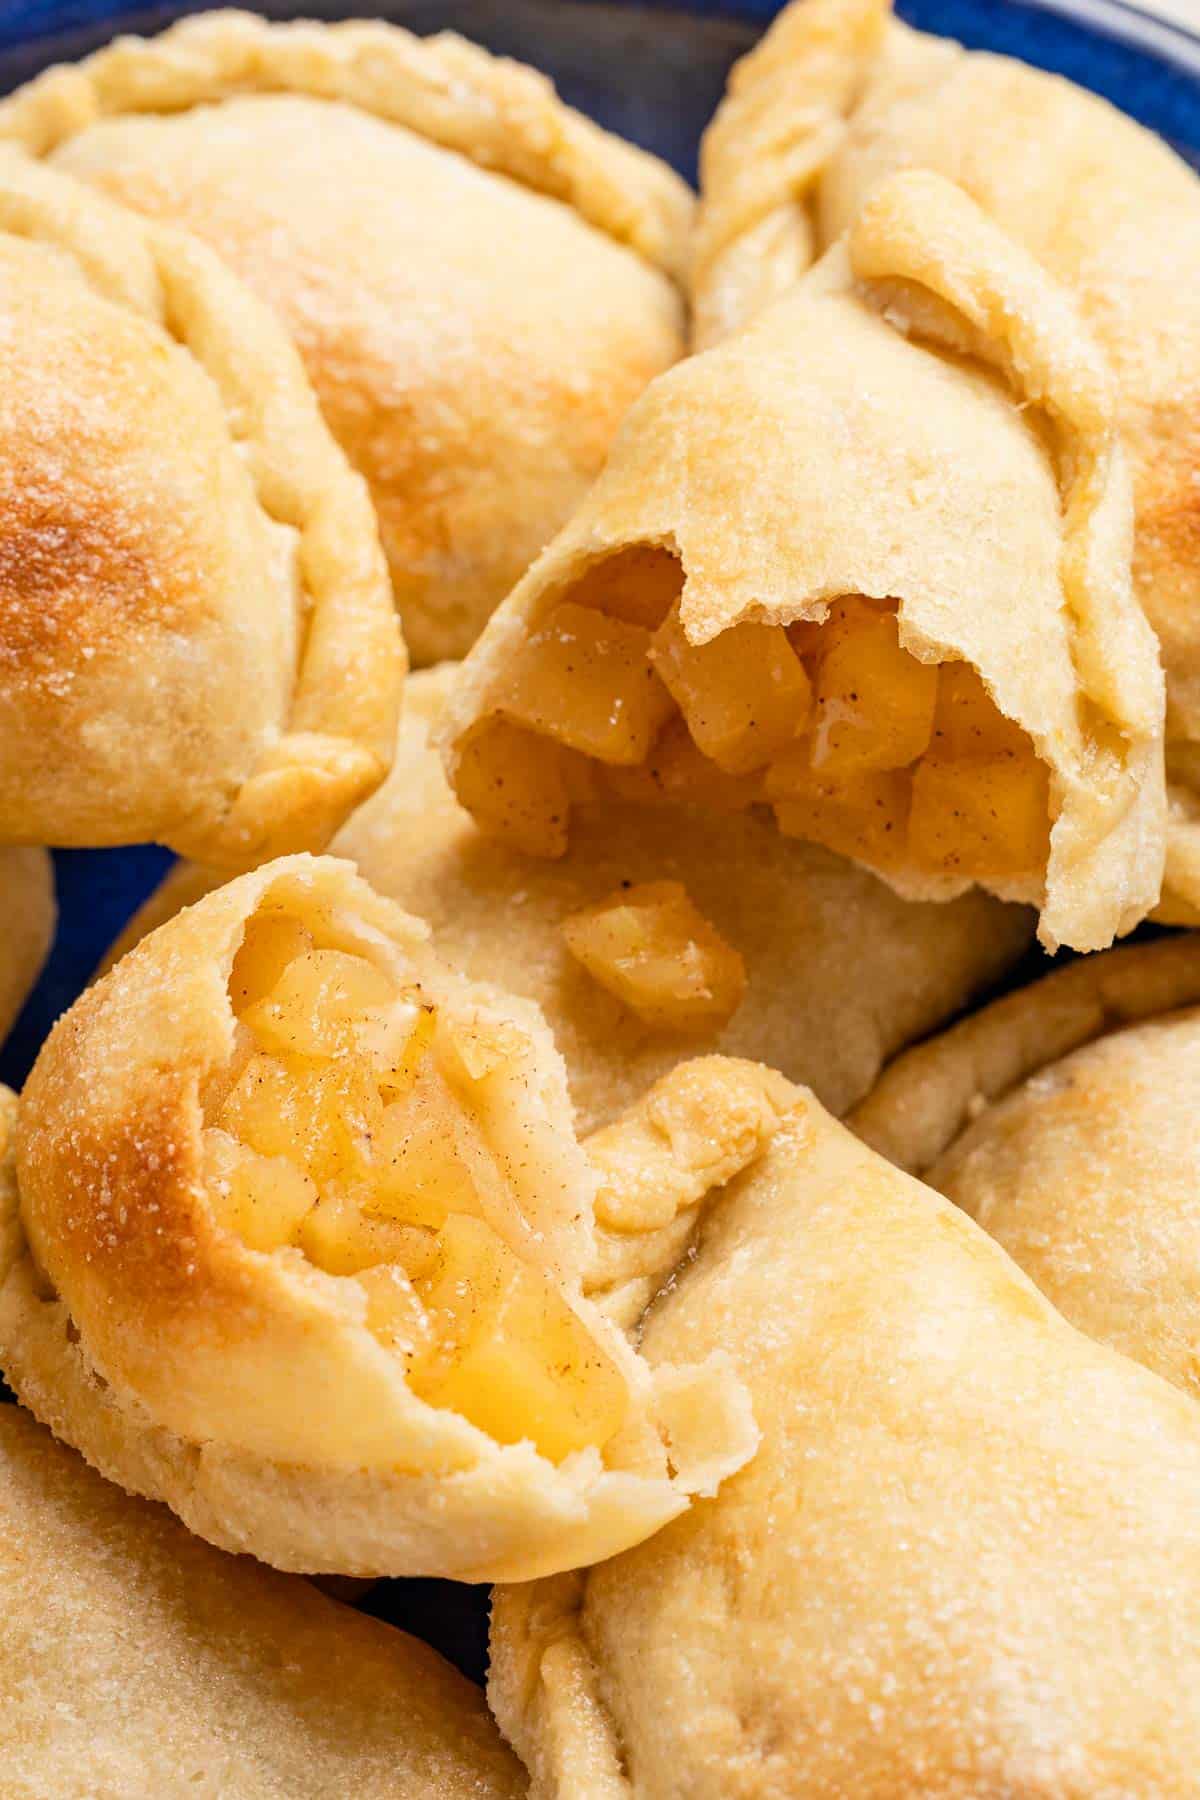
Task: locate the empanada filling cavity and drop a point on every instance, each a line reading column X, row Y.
column 340, row 1130
column 853, row 742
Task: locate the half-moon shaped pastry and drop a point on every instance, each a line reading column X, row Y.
column 866, row 562
column 137, row 1662
column 302, row 1225
column 834, row 99
column 965, row 1560
column 197, row 638
column 27, row 915
column 1065, row 1119
column 479, row 279
column 798, row 918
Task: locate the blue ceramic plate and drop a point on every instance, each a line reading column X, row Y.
column 654, row 74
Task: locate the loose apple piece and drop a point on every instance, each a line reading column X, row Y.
column 874, row 702
column 323, row 1116
column 262, row 1199
column 320, row 1004
column 981, row 816
column 269, row 942
column 658, row 954
column 394, row 1313
column 586, row 680
column 676, row 774
column 967, row 721
column 398, row 1042
column 341, row 1238
column 861, row 816
column 639, row 585
column 512, row 1356
column 426, row 1156
column 744, row 694
column 513, row 785
column 811, row 638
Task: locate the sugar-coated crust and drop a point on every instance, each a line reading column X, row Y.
column 798, row 915
column 1010, row 557
column 912, row 1587
column 138, row 1662
column 221, row 545
column 838, row 97
column 478, row 279
column 1063, row 1119
column 27, row 915
column 245, row 1389
column 501, row 114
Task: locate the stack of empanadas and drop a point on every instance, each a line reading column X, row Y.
column 471, row 1202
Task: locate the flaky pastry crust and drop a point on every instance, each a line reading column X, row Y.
column 478, row 278
column 27, row 915
column 838, row 96
column 137, row 1661
column 912, row 1587
column 245, row 1387
column 995, row 512
column 798, row 915
column 1063, row 1119
column 197, row 639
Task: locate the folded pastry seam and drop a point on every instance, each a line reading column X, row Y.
column 336, row 744
column 497, row 112
column 344, row 1329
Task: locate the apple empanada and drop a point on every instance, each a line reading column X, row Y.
column 303, row 1218
column 796, row 918
column 866, row 563
column 479, row 279
column 1065, row 1119
column 137, row 1663
column 27, row 916
column 835, row 98
column 965, row 1560
column 197, row 639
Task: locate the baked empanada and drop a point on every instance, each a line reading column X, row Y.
column 302, row 1225
column 197, row 639
column 835, row 98
column 1065, row 1119
column 965, row 1560
column 27, row 916
column 139, row 1664
column 479, row 279
column 799, row 918
column 866, row 562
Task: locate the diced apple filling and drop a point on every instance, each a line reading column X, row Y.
column 650, row 947
column 342, row 1134
column 857, row 744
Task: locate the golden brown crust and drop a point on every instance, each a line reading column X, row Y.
column 27, row 915
column 798, row 915
column 1107, row 207
column 245, row 1388
column 156, row 419
column 911, row 1588
column 479, row 280
column 136, row 1661
column 1063, row 1119
column 1012, row 559
column 497, row 112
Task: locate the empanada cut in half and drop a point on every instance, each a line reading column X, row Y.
column 866, row 564
column 138, row 1662
column 965, row 1560
column 1065, row 1119
column 838, row 96
column 303, row 1220
column 479, row 279
column 27, row 915
column 839, row 973
column 197, row 639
